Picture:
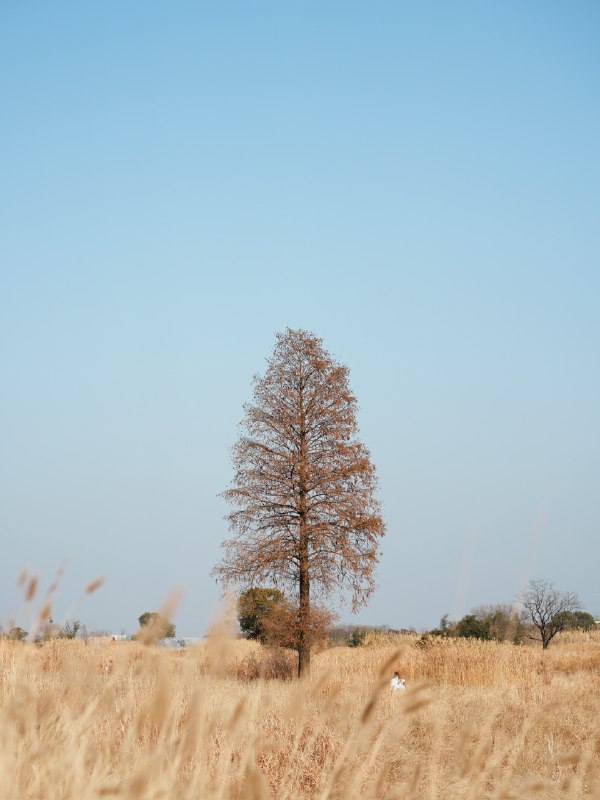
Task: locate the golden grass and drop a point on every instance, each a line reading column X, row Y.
column 478, row 720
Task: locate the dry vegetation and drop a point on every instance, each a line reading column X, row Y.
column 479, row 720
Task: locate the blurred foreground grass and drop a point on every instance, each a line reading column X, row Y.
column 478, row 720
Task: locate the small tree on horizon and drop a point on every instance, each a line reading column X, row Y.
column 153, row 626
column 70, row 629
column 17, row 634
column 305, row 516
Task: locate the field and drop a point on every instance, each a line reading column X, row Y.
column 478, row 720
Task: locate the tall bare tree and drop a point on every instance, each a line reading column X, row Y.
column 545, row 608
column 305, row 516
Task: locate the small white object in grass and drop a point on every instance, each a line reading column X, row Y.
column 397, row 683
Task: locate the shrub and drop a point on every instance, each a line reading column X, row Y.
column 254, row 606
column 273, row 664
column 357, row 638
column 17, row 634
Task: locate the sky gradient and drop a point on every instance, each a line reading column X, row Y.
column 418, row 184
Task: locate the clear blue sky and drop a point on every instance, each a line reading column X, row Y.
column 418, row 184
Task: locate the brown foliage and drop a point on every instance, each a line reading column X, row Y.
column 304, row 513
column 281, row 626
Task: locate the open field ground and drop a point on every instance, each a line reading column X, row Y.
column 478, row 720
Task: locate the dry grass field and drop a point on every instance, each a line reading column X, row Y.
column 478, row 720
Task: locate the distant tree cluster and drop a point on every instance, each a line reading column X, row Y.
column 545, row 612
column 500, row 623
column 48, row 630
column 72, row 629
column 268, row 616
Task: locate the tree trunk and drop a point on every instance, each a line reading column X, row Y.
column 304, row 578
column 304, row 615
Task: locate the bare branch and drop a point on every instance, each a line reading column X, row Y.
column 544, row 608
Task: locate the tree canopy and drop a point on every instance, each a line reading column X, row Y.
column 304, row 512
column 575, row 620
column 254, row 606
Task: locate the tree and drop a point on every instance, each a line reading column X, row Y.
column 446, row 628
column 584, row 621
column 254, row 605
column 544, row 608
column 502, row 622
column 17, row 634
column 471, row 627
column 305, row 517
column 153, row 626
column 575, row 620
column 70, row 629
column 446, row 624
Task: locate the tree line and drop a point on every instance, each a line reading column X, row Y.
column 153, row 627
column 267, row 615
column 544, row 612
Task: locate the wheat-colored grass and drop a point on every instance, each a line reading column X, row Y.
column 478, row 720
